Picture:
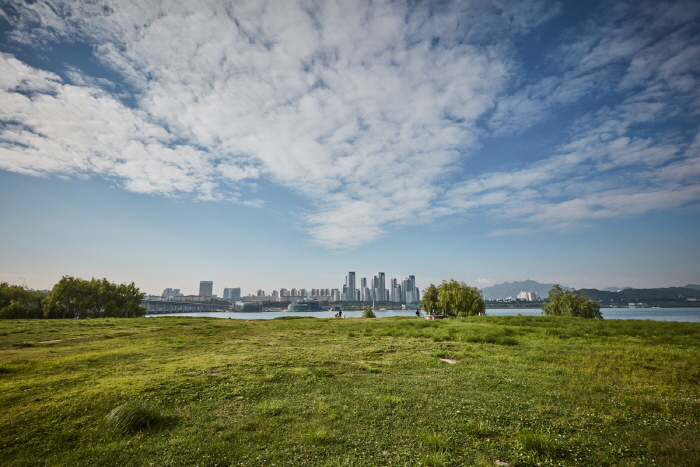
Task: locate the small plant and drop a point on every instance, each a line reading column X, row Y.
column 318, row 436
column 368, row 312
column 538, row 442
column 271, row 408
column 436, row 442
column 436, row 459
column 477, row 430
column 134, row 416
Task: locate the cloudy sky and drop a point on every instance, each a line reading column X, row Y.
column 267, row 144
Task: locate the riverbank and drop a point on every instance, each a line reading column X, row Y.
column 524, row 390
column 687, row 315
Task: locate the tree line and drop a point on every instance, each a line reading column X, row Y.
column 453, row 298
column 72, row 298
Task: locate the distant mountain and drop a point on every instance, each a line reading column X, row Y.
column 511, row 289
column 636, row 295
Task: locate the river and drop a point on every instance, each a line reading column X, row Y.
column 687, row 315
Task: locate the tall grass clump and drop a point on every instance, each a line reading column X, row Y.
column 539, row 443
column 135, row 416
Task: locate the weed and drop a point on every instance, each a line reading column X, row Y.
column 435, row 459
column 436, row 442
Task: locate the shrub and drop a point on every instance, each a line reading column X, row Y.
column 368, row 312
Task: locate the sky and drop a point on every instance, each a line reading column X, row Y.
column 269, row 144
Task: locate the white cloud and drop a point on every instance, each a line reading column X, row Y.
column 62, row 129
column 618, row 160
column 342, row 102
column 368, row 109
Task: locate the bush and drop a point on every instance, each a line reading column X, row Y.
column 368, row 312
column 568, row 303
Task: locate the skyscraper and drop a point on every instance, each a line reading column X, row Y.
column 380, row 287
column 350, row 284
column 206, row 288
column 409, row 290
column 392, row 292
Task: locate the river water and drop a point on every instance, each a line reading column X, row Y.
column 688, row 315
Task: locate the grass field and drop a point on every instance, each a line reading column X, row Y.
column 481, row 391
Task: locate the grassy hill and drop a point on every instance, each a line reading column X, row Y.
column 521, row 391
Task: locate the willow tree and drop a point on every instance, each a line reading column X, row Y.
column 430, row 299
column 459, row 299
column 568, row 303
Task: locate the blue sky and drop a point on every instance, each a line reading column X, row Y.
column 281, row 144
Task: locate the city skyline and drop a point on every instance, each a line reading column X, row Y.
column 406, row 292
column 293, row 142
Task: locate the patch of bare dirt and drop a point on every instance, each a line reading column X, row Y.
column 449, row 360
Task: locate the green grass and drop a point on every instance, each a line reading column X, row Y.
column 180, row 391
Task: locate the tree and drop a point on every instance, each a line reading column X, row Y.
column 97, row 298
column 18, row 302
column 368, row 312
column 430, row 299
column 568, row 303
column 459, row 299
column 453, row 299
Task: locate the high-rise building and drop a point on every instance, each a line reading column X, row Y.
column 397, row 294
column 350, row 285
column 409, row 290
column 379, row 287
column 232, row 294
column 392, row 292
column 363, row 289
column 206, row 288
